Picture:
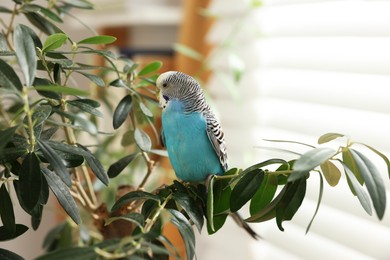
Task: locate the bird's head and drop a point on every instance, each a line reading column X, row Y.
column 176, row 85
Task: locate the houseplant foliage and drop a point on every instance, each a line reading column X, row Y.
column 44, row 111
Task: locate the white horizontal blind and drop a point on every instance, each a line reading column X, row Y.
column 311, row 67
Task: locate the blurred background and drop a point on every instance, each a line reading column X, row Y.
column 273, row 69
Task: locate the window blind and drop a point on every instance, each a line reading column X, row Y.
column 311, row 67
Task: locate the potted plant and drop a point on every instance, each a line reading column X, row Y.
column 45, row 115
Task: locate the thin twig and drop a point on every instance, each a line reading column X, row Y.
column 150, row 164
column 10, row 27
column 88, row 181
column 30, row 123
column 156, row 214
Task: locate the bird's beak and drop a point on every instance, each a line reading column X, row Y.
column 158, row 91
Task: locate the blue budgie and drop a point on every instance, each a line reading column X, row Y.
column 191, row 132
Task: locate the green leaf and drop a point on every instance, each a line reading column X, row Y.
column 148, row 207
column 134, row 195
column 39, row 116
column 55, row 161
column 149, row 68
column 67, row 148
column 269, row 211
column 85, row 106
column 321, row 191
column 117, row 167
column 74, row 253
column 134, row 217
column 210, row 204
column 381, row 155
column 7, row 210
column 350, row 162
column 30, row 181
column 42, row 23
column 310, row 160
column 362, row 195
column 36, row 216
column 191, row 208
column 158, row 251
column 61, row 191
column 52, row 235
column 95, row 79
column 100, row 39
column 44, row 93
column 49, row 14
column 71, row 160
column 105, row 53
column 122, row 110
column 6, row 136
column 54, row 42
column 27, row 8
column 82, row 4
column 289, row 142
column 5, row 235
column 264, row 194
column 142, row 140
column 185, row 229
column 373, row 181
column 44, row 194
column 8, row 77
column 34, row 36
column 5, row 10
column 13, row 153
column 3, row 45
column 25, row 53
column 145, row 110
column 245, row 189
column 95, row 166
column 331, row 172
column 291, row 202
column 187, row 51
column 220, row 207
column 79, row 121
column 328, row 137
column 8, row 255
column 62, row 90
column 148, row 81
column 313, row 158
column 119, row 83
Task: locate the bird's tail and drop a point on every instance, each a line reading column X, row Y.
column 240, row 222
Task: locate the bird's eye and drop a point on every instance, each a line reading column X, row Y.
column 165, row 85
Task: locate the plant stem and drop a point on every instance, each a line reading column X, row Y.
column 73, row 55
column 28, row 112
column 90, row 200
column 156, row 214
column 44, row 63
column 287, row 172
column 150, row 163
column 10, row 26
column 224, row 177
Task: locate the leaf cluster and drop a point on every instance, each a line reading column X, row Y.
column 44, row 109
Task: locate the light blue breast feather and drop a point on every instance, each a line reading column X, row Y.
column 190, row 151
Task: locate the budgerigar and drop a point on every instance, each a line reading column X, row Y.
column 191, row 133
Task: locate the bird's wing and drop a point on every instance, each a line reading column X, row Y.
column 216, row 137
